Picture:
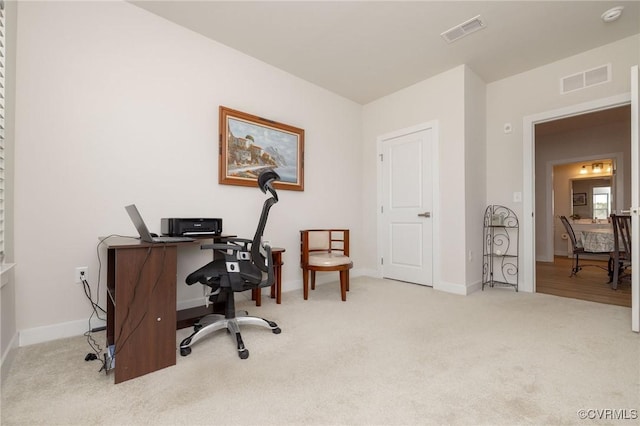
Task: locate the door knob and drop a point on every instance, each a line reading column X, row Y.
column 425, row 214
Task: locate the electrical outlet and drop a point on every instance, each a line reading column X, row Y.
column 517, row 197
column 82, row 273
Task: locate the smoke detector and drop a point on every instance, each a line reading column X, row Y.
column 612, row 14
column 471, row 26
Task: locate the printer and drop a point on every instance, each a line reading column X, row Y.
column 179, row 227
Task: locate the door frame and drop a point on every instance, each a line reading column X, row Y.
column 435, row 149
column 528, row 162
column 635, row 195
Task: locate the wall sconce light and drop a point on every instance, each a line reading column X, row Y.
column 583, row 170
column 596, row 167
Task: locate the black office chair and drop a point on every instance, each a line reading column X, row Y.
column 243, row 265
column 576, row 248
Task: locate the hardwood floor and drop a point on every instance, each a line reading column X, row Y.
column 589, row 284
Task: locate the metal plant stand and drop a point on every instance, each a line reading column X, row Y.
column 500, row 247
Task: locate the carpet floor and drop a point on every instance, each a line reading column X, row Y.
column 392, row 354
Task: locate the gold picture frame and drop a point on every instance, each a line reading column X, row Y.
column 249, row 144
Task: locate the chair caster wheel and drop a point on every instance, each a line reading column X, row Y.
column 276, row 330
column 185, row 351
column 243, row 354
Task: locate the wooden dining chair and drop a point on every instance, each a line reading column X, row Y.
column 325, row 250
column 621, row 255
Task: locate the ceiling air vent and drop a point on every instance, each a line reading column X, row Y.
column 584, row 79
column 464, row 29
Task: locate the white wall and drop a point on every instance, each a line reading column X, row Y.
column 116, row 105
column 475, row 176
column 533, row 92
column 440, row 98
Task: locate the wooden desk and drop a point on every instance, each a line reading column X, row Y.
column 141, row 305
column 276, row 287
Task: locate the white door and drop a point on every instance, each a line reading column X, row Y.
column 635, row 200
column 406, row 216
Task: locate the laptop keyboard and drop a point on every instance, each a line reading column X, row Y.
column 172, row 239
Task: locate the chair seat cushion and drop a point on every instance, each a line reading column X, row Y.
column 211, row 273
column 328, row 259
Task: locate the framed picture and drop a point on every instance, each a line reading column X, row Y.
column 250, row 144
column 579, row 198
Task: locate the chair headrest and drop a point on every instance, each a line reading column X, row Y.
column 265, row 179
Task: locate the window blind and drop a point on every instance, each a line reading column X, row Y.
column 2, row 126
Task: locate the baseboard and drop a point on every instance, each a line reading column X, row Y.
column 454, row 288
column 473, row 287
column 374, row 273
column 57, row 331
column 459, row 289
column 7, row 358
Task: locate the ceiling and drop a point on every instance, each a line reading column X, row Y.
column 363, row 50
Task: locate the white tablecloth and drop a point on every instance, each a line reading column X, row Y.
column 598, row 240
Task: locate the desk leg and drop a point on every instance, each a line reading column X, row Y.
column 257, row 296
column 278, row 284
column 276, row 288
column 144, row 331
column 111, row 282
column 277, row 271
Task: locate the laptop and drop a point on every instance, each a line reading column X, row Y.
column 145, row 235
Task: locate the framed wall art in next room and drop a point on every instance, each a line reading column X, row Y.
column 579, row 198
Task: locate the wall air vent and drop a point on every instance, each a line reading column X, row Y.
column 584, row 79
column 464, row 29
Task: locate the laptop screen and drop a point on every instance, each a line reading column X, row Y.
column 136, row 218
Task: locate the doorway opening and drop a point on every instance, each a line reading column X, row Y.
column 582, row 171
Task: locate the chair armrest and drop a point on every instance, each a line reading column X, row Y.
column 234, row 247
column 239, row 240
column 270, row 279
column 230, row 244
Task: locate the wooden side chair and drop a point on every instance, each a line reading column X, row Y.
column 325, row 250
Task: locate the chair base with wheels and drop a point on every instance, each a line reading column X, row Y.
column 230, row 321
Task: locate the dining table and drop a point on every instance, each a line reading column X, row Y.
column 598, row 240
column 601, row 241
